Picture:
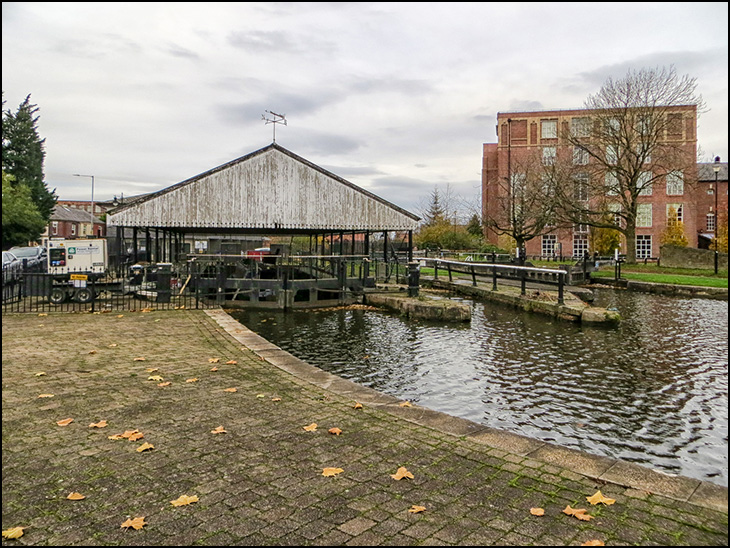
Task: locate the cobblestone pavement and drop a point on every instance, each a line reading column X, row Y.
column 261, row 482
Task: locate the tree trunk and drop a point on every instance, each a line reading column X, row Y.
column 630, row 234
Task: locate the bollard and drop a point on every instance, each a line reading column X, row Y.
column 561, row 283
column 414, row 274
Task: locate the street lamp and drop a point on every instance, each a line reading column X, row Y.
column 716, row 169
column 92, row 198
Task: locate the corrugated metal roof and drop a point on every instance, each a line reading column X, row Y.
column 270, row 189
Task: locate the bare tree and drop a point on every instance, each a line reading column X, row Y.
column 640, row 130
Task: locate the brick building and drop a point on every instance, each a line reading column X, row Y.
column 542, row 135
column 705, row 200
column 72, row 223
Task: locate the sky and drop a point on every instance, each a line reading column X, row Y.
column 397, row 98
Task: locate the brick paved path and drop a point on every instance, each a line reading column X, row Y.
column 261, row 482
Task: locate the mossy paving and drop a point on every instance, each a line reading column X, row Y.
column 261, row 482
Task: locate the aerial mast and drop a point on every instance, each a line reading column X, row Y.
column 277, row 119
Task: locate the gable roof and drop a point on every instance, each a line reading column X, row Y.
column 271, row 189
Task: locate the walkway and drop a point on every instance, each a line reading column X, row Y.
column 261, row 482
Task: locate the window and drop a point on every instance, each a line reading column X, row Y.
column 73, row 229
column 710, row 221
column 643, row 246
column 580, row 127
column 675, row 183
column 644, row 184
column 643, row 215
column 580, row 189
column 580, row 245
column 549, row 245
column 641, row 152
column 675, row 213
column 612, row 186
column 518, row 183
column 580, row 156
column 549, row 129
column 613, row 125
column 611, row 155
column 54, row 227
column 615, row 209
column 548, row 156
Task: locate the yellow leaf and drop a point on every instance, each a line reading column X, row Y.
column 155, row 378
column 579, row 513
column 405, row 404
column 42, row 314
column 136, row 523
column 184, row 500
column 218, row 430
column 594, row 542
column 336, row 431
column 537, row 511
column 152, row 369
column 163, row 384
column 75, row 496
column 140, row 359
column 231, row 362
column 275, row 399
column 230, row 390
column 136, row 436
column 120, row 315
column 415, row 509
column 148, row 309
column 329, row 472
column 598, row 498
column 260, row 395
column 116, row 437
column 213, row 360
column 15, row 532
column 195, row 379
column 128, row 433
column 113, row 345
column 64, row 422
column 214, row 369
column 311, row 427
column 357, row 405
column 100, row 424
column 145, row 447
column 401, row 473
column 45, row 395
column 40, row 374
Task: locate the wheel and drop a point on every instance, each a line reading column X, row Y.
column 58, row 295
column 84, row 295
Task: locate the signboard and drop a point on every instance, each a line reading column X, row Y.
column 79, row 277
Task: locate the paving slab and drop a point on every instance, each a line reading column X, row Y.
column 261, row 482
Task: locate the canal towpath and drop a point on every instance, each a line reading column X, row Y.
column 261, row 482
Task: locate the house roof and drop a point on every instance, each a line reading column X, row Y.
column 271, row 190
column 706, row 174
column 71, row 214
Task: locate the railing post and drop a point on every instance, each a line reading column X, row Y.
column 473, row 277
column 522, row 282
column 561, row 283
column 448, row 266
column 435, row 270
column 494, row 276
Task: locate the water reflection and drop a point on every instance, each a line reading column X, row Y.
column 653, row 391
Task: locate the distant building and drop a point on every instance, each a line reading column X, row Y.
column 68, row 222
column 542, row 134
column 705, row 200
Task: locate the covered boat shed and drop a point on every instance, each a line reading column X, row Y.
column 271, row 191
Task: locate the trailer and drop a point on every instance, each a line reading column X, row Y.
column 75, row 268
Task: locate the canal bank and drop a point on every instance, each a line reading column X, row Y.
column 261, row 482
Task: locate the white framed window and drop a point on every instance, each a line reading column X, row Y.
column 580, row 228
column 549, row 245
column 644, row 183
column 675, row 183
column 580, row 156
column 548, row 156
column 580, row 245
column 54, row 227
column 518, row 183
column 73, row 229
column 643, row 246
column 678, row 210
column 549, row 129
column 611, row 155
column 615, row 209
column 710, row 222
column 580, row 127
column 640, row 152
column 580, row 188
column 612, row 186
column 643, row 215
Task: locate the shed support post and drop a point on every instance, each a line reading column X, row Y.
column 410, row 246
column 134, row 244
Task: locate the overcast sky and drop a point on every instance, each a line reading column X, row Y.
column 395, row 97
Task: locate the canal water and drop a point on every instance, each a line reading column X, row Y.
column 653, row 391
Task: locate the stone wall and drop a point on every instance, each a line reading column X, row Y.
column 690, row 257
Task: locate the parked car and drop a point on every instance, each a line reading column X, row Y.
column 12, row 267
column 33, row 256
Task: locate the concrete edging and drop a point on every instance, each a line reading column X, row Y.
column 608, row 469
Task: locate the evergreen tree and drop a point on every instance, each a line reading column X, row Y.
column 435, row 214
column 23, row 154
column 474, row 227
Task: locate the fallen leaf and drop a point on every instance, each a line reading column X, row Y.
column 405, row 404
column 594, row 542
column 336, row 431
column 214, row 369
column 415, row 509
column 401, row 473
column 100, row 424
column 598, row 498
column 275, row 399
column 120, row 315
column 230, row 390
column 113, row 345
column 145, row 447
column 329, row 472
column 45, row 395
column 152, row 369
column 579, row 513
column 231, row 362
column 148, row 309
column 136, row 523
column 136, row 436
column 311, row 427
column 92, row 351
column 15, row 532
column 537, row 511
column 218, row 430
column 357, row 405
column 128, row 433
column 184, row 500
column 75, row 496
column 40, row 374
column 195, row 379
column 213, row 360
column 140, row 359
column 64, row 422
column 163, row 384
column 156, row 378
column 260, row 395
